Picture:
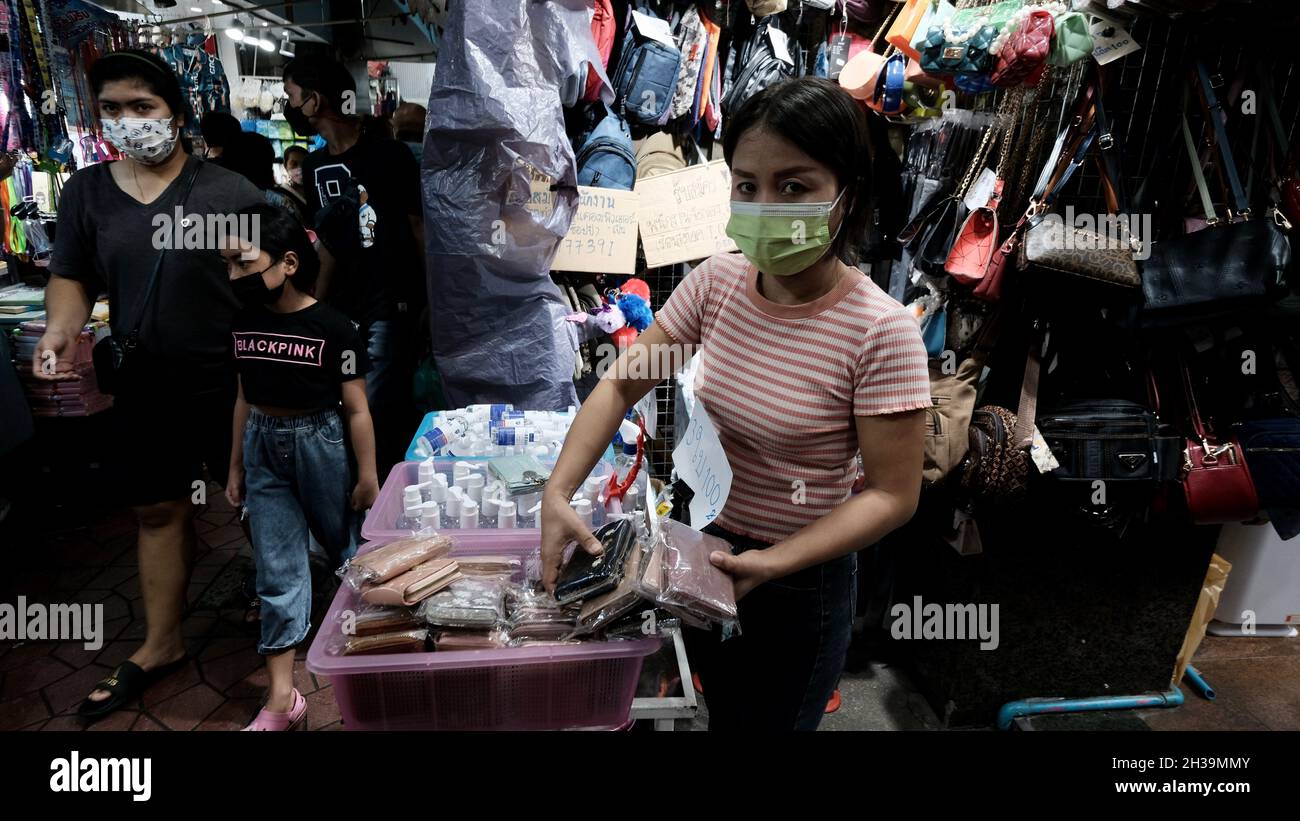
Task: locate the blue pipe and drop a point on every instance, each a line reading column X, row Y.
column 1036, row 706
column 1198, row 683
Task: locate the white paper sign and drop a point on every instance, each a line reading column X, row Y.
column 654, row 28
column 1108, row 49
column 981, row 190
column 602, row 235
column 701, row 464
column 648, row 407
column 683, row 215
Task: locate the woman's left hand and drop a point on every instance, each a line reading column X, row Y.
column 748, row 570
column 365, row 493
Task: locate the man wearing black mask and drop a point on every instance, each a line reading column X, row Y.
column 363, row 199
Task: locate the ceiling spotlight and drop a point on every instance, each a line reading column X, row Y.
column 196, row 9
column 235, row 34
column 265, row 45
column 286, row 50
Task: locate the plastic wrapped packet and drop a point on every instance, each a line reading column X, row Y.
column 691, row 584
column 586, row 576
column 370, row 619
column 393, row 559
column 405, row 641
column 602, row 610
column 536, row 615
column 467, row 603
column 453, row 640
column 413, row 586
column 641, row 623
column 507, row 566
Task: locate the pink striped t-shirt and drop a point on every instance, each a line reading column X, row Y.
column 782, row 384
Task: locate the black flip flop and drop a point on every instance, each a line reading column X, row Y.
column 125, row 684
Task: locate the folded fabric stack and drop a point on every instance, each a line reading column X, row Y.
column 79, row 397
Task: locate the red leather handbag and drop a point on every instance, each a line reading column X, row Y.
column 1023, row 57
column 972, row 251
column 989, row 288
column 1215, row 477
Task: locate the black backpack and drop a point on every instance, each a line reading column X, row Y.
column 756, row 65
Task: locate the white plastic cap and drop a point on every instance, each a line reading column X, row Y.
column 582, row 506
column 506, row 515
column 468, row 515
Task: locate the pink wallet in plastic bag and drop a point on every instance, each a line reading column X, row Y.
column 690, row 580
column 393, row 559
column 415, row 585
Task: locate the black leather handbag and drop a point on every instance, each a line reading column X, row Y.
column 1112, row 440
column 1225, row 266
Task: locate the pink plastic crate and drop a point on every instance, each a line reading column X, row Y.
column 381, row 520
column 514, row 688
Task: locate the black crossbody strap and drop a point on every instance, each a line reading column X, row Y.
column 152, row 284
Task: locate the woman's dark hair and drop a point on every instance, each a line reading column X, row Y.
column 253, row 156
column 824, row 122
column 327, row 77
column 149, row 69
column 279, row 232
column 294, row 149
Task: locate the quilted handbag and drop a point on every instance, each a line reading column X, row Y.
column 972, row 252
column 966, row 53
column 1073, row 41
column 1023, row 57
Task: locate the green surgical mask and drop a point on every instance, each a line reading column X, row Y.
column 782, row 238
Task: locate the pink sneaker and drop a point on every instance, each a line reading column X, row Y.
column 295, row 719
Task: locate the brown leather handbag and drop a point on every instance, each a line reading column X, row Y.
column 1216, row 480
column 952, row 397
column 997, row 468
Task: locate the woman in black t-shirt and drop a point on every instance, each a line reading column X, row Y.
column 298, row 360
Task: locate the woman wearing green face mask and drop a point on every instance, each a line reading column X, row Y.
column 804, row 363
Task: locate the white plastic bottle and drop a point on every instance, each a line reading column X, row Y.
column 474, row 484
column 451, row 511
column 469, row 515
column 488, row 512
column 438, row 491
column 506, row 516
column 583, row 508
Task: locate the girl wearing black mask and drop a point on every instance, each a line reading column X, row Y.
column 302, row 397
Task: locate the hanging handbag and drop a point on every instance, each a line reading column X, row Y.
column 1272, row 451
column 1216, row 480
column 968, row 261
column 903, row 29
column 860, row 76
column 941, row 226
column 117, row 357
column 1052, row 245
column 1023, row 56
column 1072, row 41
column 962, row 52
column 1227, row 267
column 952, row 397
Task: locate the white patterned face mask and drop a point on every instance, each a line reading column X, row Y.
column 147, row 141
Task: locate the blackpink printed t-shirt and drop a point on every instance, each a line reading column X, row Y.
column 783, row 383
column 298, row 360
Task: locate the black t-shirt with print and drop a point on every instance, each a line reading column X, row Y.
column 371, row 280
column 107, row 238
column 299, row 360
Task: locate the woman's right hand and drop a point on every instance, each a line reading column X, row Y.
column 55, row 353
column 561, row 525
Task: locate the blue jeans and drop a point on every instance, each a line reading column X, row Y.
column 297, row 485
column 390, row 389
column 779, row 673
